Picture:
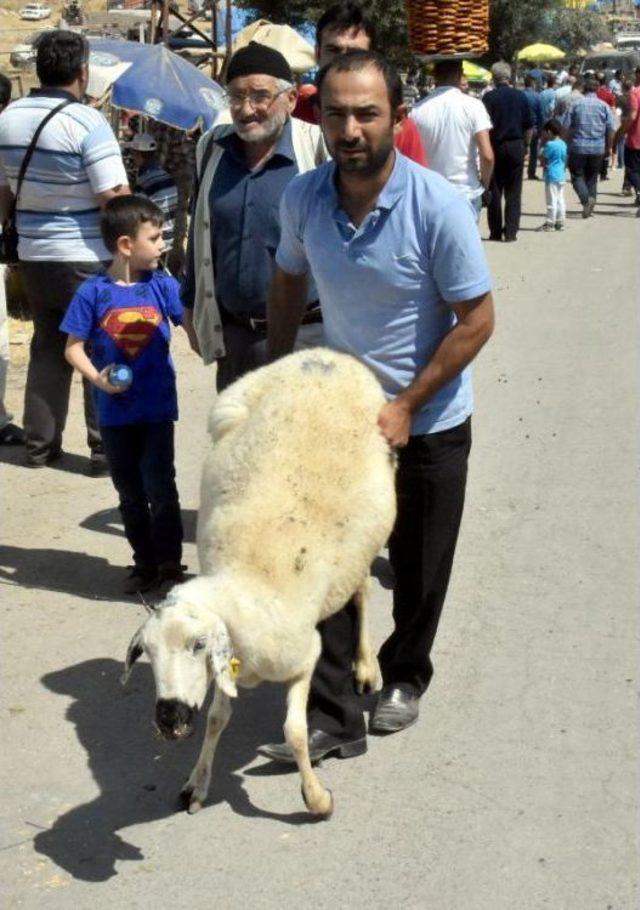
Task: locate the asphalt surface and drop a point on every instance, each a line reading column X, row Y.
column 518, row 788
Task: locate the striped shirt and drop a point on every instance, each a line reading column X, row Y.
column 77, row 156
column 160, row 188
column 589, row 120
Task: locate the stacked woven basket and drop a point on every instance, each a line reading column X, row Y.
column 448, row 27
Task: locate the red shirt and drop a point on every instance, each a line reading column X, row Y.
column 632, row 139
column 606, row 95
column 407, row 141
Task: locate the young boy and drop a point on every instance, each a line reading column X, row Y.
column 124, row 315
column 554, row 154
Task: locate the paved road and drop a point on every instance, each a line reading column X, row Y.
column 517, row 789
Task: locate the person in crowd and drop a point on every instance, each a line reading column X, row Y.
column 565, row 94
column 554, row 155
column 510, row 136
column 535, row 106
column 76, row 168
column 615, row 83
column 590, row 127
column 605, row 94
column 342, row 28
column 624, row 103
column 630, row 128
column 124, row 314
column 154, row 182
column 10, row 434
column 243, row 169
column 548, row 98
column 417, row 321
column 455, row 128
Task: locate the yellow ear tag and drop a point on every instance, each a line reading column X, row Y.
column 234, row 667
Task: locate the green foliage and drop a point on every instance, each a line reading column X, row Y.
column 573, row 30
column 516, row 23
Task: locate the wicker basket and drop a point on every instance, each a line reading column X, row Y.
column 448, row 27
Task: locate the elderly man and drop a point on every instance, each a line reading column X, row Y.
column 455, row 128
column 511, row 134
column 75, row 168
column 590, row 129
column 404, row 287
column 344, row 27
column 242, row 170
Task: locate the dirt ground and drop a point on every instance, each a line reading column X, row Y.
column 518, row 788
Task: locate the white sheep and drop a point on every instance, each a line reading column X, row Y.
column 297, row 498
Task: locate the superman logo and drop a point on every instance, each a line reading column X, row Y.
column 131, row 328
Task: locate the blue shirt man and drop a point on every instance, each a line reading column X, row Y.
column 589, row 121
column 394, row 252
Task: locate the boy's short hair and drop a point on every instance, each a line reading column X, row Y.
column 123, row 215
column 344, row 16
column 553, row 126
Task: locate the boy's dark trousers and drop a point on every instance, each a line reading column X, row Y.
column 430, row 486
column 141, row 457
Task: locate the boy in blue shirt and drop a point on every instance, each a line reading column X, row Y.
column 554, row 155
column 124, row 314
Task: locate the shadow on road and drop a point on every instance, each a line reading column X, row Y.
column 69, row 463
column 92, row 577
column 140, row 776
column 108, row 521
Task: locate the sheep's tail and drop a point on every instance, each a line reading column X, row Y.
column 226, row 414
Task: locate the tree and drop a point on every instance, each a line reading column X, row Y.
column 573, row 29
column 515, row 23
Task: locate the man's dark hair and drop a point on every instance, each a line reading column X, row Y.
column 123, row 216
column 553, row 126
column 342, row 17
column 59, row 57
column 447, row 71
column 5, row 90
column 590, row 85
column 355, row 61
column 551, row 79
column 529, row 82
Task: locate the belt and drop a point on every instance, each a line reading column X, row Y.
column 259, row 323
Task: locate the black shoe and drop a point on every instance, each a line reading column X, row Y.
column 170, row 574
column 98, row 464
column 496, row 237
column 42, row 461
column 140, row 580
column 397, row 708
column 321, row 745
column 510, row 239
column 12, row 435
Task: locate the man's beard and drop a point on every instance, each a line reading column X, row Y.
column 368, row 164
column 267, row 129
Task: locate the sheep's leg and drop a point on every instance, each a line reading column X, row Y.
column 366, row 665
column 194, row 792
column 318, row 800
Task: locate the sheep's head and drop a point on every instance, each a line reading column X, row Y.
column 187, row 647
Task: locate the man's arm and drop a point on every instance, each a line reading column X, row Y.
column 120, row 190
column 456, row 350
column 285, row 306
column 485, row 152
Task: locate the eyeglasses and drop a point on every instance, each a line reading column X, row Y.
column 257, row 99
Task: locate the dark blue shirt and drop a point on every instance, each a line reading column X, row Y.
column 509, row 112
column 535, row 106
column 130, row 324
column 245, row 223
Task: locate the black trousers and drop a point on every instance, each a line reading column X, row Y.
column 49, row 288
column 533, row 155
column 141, row 463
column 507, row 183
column 430, row 484
column 632, row 165
column 584, row 170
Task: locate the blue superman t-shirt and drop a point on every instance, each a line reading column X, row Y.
column 130, row 324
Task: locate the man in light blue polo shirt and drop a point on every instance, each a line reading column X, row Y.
column 403, row 283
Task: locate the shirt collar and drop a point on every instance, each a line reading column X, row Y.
column 390, row 193
column 61, row 93
column 283, row 147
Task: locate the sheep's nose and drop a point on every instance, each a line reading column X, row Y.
column 174, row 718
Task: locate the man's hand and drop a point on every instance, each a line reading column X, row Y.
column 394, row 421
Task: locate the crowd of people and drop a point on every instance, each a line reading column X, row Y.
column 327, row 216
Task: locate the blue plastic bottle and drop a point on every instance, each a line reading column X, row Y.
column 120, row 375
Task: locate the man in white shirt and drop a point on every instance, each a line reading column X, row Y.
column 455, row 129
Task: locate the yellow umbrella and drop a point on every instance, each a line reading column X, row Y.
column 474, row 72
column 540, row 53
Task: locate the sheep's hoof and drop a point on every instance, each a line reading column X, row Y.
column 321, row 808
column 188, row 802
column 194, row 806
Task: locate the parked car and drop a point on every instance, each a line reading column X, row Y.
column 23, row 55
column 610, row 61
column 35, row 11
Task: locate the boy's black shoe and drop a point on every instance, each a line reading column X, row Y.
column 98, row 464
column 140, row 580
column 170, row 574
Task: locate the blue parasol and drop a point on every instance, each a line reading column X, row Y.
column 159, row 84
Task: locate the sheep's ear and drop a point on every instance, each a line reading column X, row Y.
column 133, row 653
column 220, row 652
